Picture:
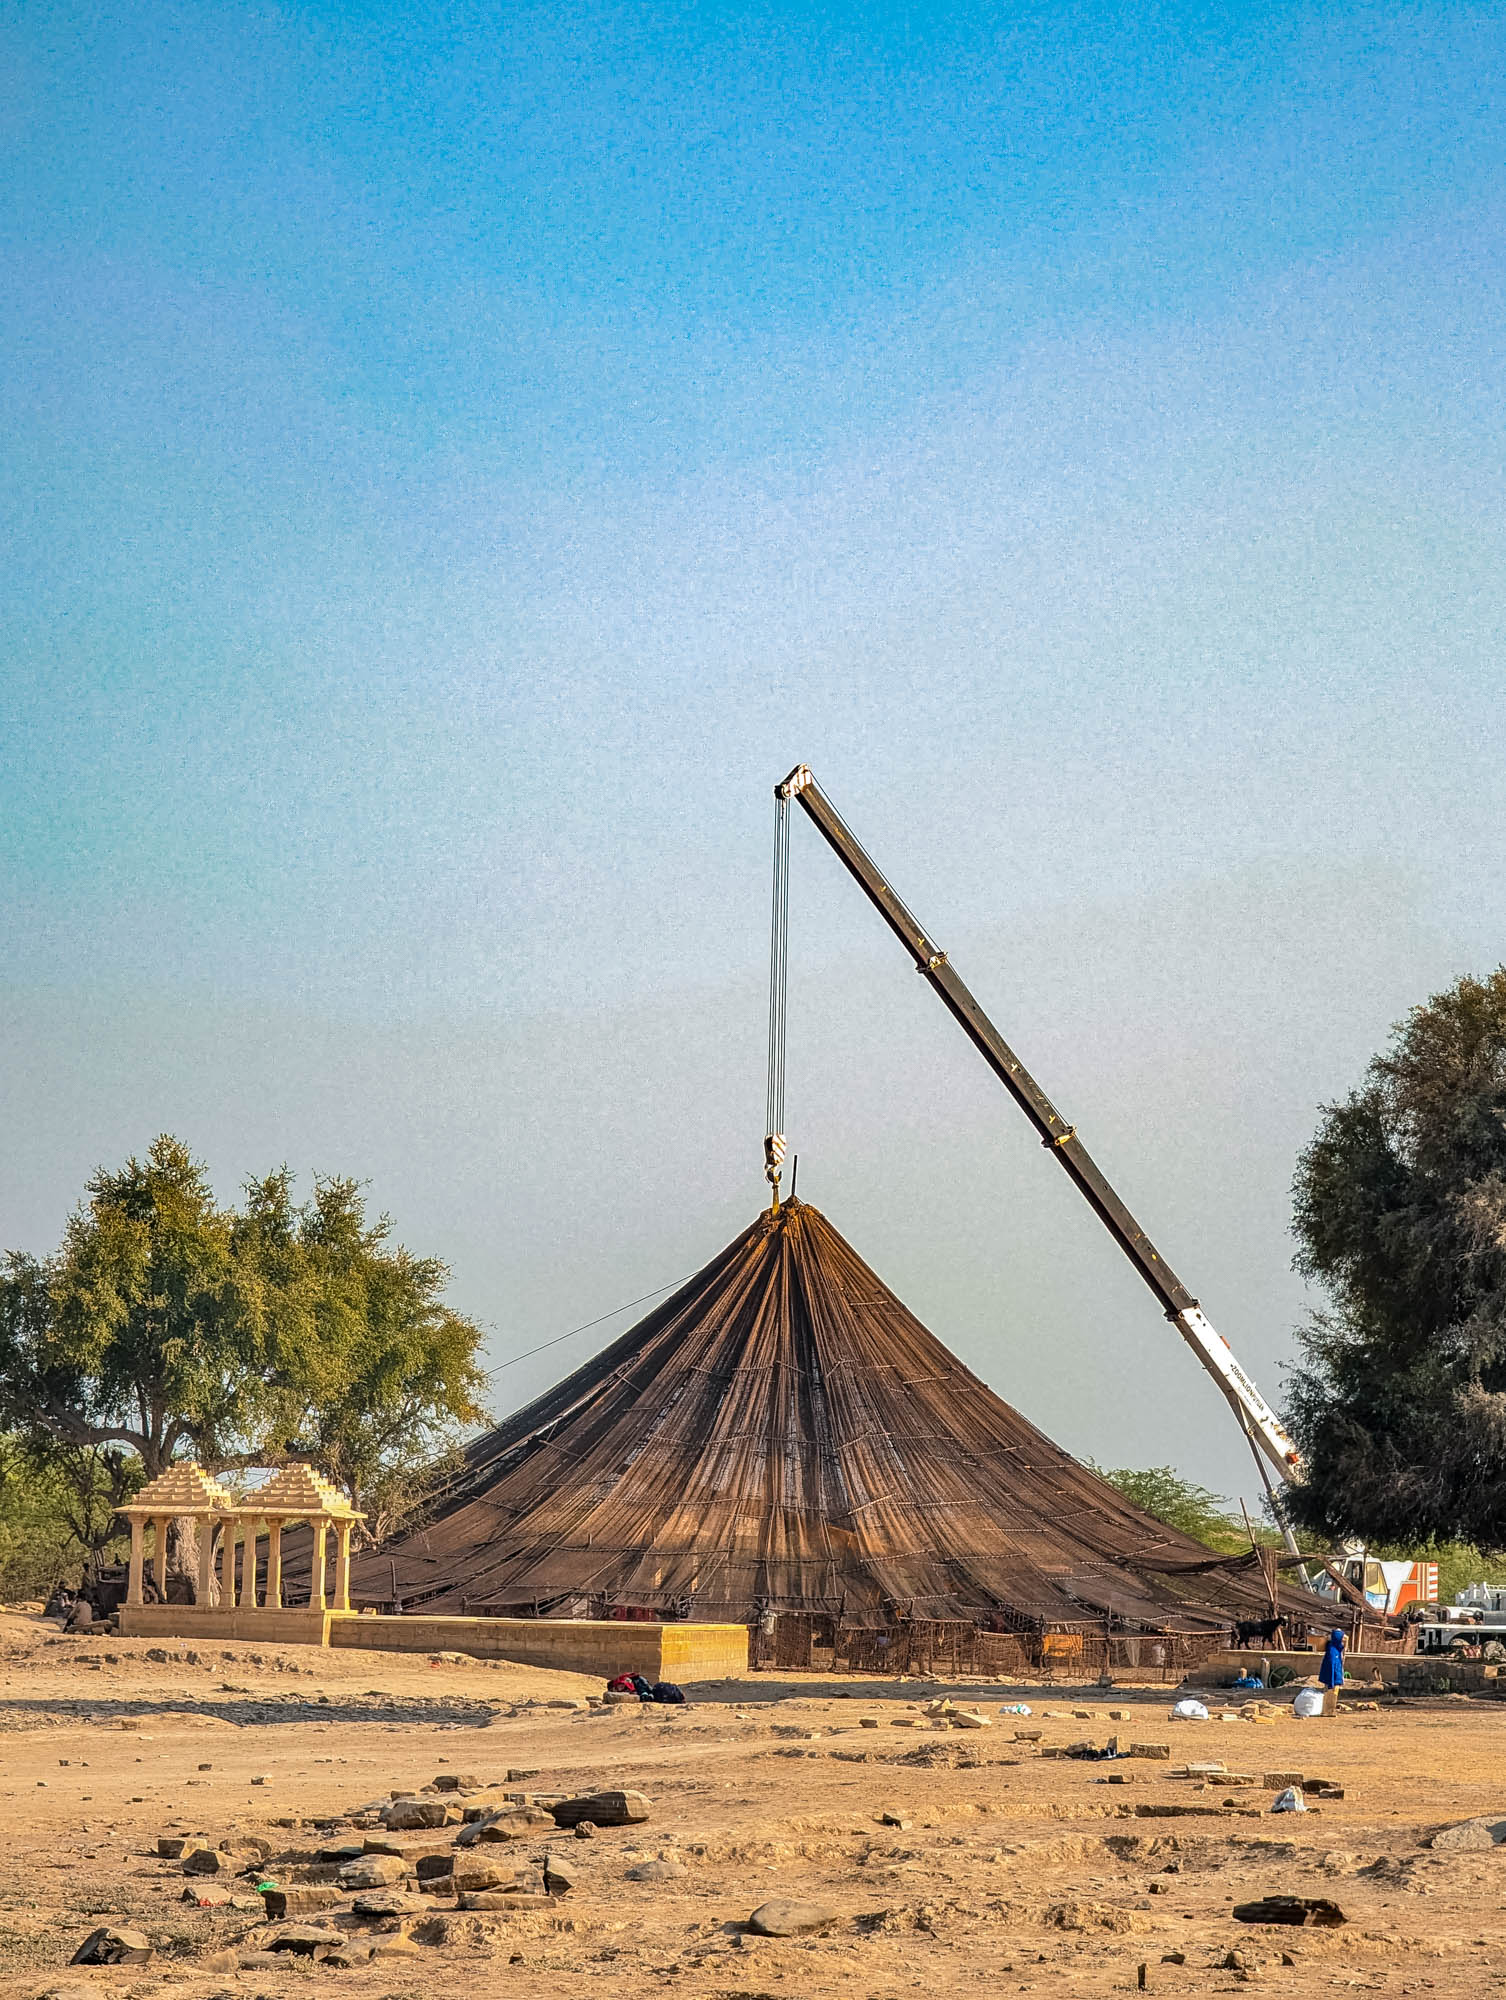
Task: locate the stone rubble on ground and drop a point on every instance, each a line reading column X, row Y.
column 343, row 1902
column 1290, row 1910
column 560, row 1875
column 113, row 1947
column 627, row 1808
column 787, row 1917
column 403, row 1875
column 1488, row 1830
column 207, row 1861
column 373, row 1871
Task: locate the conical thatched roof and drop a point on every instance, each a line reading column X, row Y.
column 783, row 1434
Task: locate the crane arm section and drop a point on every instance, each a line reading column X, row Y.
column 1255, row 1415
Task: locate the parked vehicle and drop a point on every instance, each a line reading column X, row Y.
column 1476, row 1620
column 1390, row 1587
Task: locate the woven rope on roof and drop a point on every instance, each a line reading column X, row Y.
column 782, row 1433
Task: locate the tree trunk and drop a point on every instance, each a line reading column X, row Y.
column 182, row 1560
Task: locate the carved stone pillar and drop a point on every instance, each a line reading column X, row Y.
column 274, row 1565
column 248, row 1563
column 342, row 1565
column 133, row 1578
column 205, row 1593
column 227, row 1564
column 316, row 1580
column 159, row 1556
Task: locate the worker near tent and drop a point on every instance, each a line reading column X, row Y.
column 1331, row 1672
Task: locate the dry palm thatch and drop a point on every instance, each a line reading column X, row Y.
column 783, row 1435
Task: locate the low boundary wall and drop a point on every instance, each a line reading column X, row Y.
column 600, row 1646
column 1220, row 1670
column 296, row 1627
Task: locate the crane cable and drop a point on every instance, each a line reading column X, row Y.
column 600, row 1320
column 779, row 966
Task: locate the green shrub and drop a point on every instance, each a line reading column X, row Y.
column 39, row 1520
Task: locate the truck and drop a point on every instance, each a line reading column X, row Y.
column 1389, row 1587
column 1476, row 1618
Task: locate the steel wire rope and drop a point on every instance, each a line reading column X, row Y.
column 779, row 963
column 585, row 1327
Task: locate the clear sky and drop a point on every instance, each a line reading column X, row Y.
column 456, row 459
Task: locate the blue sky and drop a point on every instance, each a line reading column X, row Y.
column 455, row 460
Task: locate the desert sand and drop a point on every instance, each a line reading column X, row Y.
column 949, row 1860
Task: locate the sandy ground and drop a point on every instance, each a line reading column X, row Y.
column 1007, row 1872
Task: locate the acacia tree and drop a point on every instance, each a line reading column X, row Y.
column 371, row 1373
column 143, row 1330
column 166, row 1326
column 1162, row 1491
column 1400, row 1212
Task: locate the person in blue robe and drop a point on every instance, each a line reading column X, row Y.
column 1331, row 1673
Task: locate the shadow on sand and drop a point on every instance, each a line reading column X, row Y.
column 247, row 1710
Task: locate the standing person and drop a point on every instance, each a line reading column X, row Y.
column 1331, row 1672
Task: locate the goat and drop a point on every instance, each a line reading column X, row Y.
column 1259, row 1631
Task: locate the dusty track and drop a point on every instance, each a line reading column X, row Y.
column 1015, row 1873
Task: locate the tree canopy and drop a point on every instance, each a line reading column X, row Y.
column 166, row 1326
column 1181, row 1503
column 1400, row 1213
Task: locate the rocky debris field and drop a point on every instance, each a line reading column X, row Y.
column 204, row 1822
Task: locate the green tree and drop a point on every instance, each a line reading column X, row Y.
column 57, row 1509
column 1181, row 1503
column 1400, row 1214
column 372, row 1372
column 143, row 1330
column 166, row 1326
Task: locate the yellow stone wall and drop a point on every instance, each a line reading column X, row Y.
column 702, row 1652
column 271, row 1628
column 604, row 1647
column 600, row 1647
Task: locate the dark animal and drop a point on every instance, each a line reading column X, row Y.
column 1258, row 1631
column 105, row 1588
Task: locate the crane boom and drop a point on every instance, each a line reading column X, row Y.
column 1256, row 1418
